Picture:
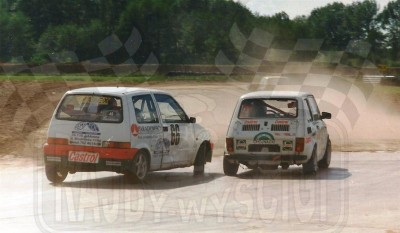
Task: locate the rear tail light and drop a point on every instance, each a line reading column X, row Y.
column 299, row 145
column 119, row 145
column 229, row 144
column 57, row 141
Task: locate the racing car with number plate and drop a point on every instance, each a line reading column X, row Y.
column 279, row 128
column 126, row 130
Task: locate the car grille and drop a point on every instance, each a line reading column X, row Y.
column 279, row 127
column 251, row 128
column 259, row 148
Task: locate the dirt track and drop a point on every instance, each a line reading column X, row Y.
column 26, row 108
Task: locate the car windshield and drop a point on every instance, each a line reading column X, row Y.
column 91, row 108
column 268, row 108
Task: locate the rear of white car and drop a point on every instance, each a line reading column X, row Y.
column 271, row 129
column 125, row 130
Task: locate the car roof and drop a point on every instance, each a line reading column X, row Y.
column 117, row 91
column 275, row 94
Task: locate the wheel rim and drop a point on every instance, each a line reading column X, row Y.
column 141, row 166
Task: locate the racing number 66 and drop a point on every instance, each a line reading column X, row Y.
column 175, row 135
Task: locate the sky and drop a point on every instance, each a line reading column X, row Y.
column 294, row 7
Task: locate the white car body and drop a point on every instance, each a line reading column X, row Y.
column 86, row 134
column 286, row 131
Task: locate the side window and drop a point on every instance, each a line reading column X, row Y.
column 170, row 110
column 307, row 110
column 314, row 108
column 145, row 110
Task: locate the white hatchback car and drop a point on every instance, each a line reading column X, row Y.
column 124, row 130
column 271, row 129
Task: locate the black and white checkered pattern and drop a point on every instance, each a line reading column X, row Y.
column 14, row 92
column 299, row 69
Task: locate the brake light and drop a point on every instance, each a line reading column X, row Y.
column 57, row 141
column 299, row 145
column 229, row 144
column 119, row 145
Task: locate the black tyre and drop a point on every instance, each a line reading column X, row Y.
column 230, row 168
column 140, row 167
column 326, row 160
column 54, row 174
column 200, row 160
column 311, row 167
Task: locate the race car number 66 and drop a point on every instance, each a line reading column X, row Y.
column 175, row 135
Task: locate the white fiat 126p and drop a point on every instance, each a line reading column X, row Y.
column 125, row 130
column 279, row 128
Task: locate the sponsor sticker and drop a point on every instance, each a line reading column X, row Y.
column 287, row 145
column 264, row 138
column 241, row 145
column 83, row 157
column 251, row 122
column 86, row 134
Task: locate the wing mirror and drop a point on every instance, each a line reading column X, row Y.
column 192, row 120
column 326, row 115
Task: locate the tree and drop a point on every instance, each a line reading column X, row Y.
column 329, row 23
column 390, row 21
column 16, row 34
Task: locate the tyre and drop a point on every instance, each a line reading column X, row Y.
column 140, row 167
column 200, row 160
column 311, row 167
column 54, row 174
column 230, row 168
column 326, row 160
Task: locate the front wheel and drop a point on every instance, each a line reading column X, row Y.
column 54, row 174
column 230, row 168
column 326, row 160
column 140, row 167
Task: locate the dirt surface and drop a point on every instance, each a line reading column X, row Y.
column 26, row 108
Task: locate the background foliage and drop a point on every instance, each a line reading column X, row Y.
column 184, row 31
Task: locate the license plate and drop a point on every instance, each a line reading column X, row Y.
column 83, row 157
column 265, row 149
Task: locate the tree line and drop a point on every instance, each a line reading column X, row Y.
column 184, row 31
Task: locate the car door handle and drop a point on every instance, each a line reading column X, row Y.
column 165, row 129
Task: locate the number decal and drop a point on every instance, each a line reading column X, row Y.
column 175, row 135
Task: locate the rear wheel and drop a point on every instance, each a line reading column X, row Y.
column 230, row 168
column 54, row 174
column 140, row 167
column 326, row 160
column 311, row 167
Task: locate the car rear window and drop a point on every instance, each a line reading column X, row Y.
column 91, row 108
column 268, row 108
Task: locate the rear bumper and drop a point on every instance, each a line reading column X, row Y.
column 115, row 165
column 110, row 159
column 274, row 159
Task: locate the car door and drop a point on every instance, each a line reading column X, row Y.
column 177, row 130
column 149, row 131
column 319, row 126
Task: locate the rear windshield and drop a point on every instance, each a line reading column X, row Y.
column 91, row 108
column 268, row 108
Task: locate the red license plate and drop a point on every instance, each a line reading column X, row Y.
column 83, row 157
